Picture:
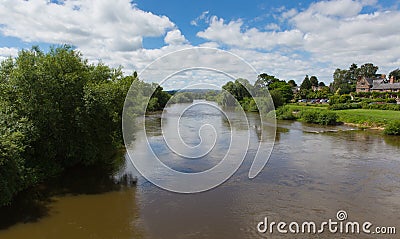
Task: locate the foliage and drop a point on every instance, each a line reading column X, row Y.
column 238, row 89
column 249, row 104
column 323, row 117
column 292, row 83
column 368, row 70
column 182, row 97
column 306, row 84
column 395, row 74
column 314, row 81
column 345, row 106
column 284, row 113
column 393, row 128
column 339, row 99
column 264, row 80
column 57, row 111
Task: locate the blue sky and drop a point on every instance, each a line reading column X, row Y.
column 288, row 39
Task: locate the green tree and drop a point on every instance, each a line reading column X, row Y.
column 395, row 74
column 341, row 82
column 292, row 83
column 239, row 89
column 306, row 84
column 282, row 88
column 368, row 70
column 264, row 80
column 314, row 81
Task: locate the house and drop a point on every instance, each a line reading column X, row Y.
column 364, row 84
column 377, row 84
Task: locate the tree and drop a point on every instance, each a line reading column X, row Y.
column 368, row 70
column 306, row 84
column 314, row 81
column 395, row 74
column 292, row 83
column 321, row 84
column 341, row 83
column 238, row 89
column 282, row 88
column 353, row 74
column 264, row 80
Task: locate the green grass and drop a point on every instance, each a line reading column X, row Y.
column 364, row 117
column 368, row 117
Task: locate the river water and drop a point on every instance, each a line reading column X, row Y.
column 313, row 172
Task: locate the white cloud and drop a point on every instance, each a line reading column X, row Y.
column 288, row 14
column 175, row 37
column 338, row 8
column 203, row 16
column 6, row 52
column 231, row 34
column 273, row 27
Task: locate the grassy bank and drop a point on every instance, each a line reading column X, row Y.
column 359, row 117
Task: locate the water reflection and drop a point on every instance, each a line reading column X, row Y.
column 82, row 203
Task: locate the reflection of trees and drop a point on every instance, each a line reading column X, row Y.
column 153, row 125
column 392, row 140
column 366, row 141
column 87, row 196
column 279, row 131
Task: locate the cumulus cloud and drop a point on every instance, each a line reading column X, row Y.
column 175, row 37
column 232, row 34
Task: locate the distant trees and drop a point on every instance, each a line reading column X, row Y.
column 280, row 91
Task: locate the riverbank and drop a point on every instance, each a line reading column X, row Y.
column 362, row 118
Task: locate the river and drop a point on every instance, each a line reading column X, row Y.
column 313, row 172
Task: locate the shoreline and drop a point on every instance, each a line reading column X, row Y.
column 364, row 126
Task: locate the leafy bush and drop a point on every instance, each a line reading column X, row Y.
column 284, row 113
column 323, row 117
column 248, row 104
column 381, row 107
column 391, row 100
column 393, row 128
